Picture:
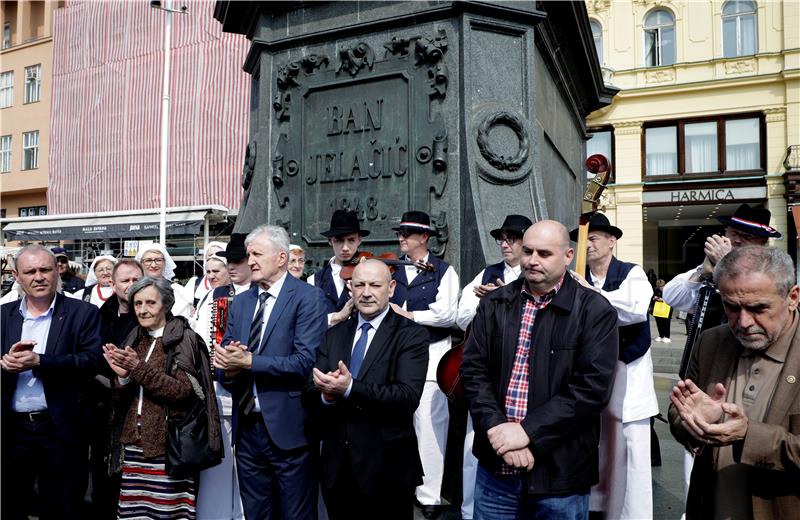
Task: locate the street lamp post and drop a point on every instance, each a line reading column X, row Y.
column 165, row 6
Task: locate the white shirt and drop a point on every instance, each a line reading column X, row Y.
column 269, row 304
column 95, row 299
column 468, row 305
column 29, row 394
column 680, row 293
column 336, row 271
column 440, row 313
column 633, row 396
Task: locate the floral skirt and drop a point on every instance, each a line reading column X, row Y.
column 149, row 493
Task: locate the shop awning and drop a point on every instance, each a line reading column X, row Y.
column 124, row 226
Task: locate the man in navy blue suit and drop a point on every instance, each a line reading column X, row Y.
column 51, row 349
column 270, row 345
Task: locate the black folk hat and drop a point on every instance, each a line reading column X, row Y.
column 516, row 224
column 753, row 220
column 598, row 222
column 235, row 250
column 344, row 222
column 416, row 222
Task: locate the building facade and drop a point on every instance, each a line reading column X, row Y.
column 26, row 62
column 708, row 107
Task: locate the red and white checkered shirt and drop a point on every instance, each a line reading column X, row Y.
column 518, row 383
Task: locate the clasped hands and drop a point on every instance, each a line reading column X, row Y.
column 715, row 248
column 482, row 290
column 121, row 360
column 20, row 357
column 708, row 418
column 232, row 359
column 333, row 384
column 510, row 441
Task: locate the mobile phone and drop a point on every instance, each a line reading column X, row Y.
column 25, row 345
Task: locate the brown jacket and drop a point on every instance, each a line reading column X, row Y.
column 178, row 388
column 772, row 447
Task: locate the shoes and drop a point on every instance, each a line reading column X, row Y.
column 429, row 512
column 666, row 340
column 658, row 339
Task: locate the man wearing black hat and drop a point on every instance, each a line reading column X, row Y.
column 69, row 282
column 344, row 236
column 430, row 298
column 625, row 489
column 218, row 495
column 509, row 238
column 749, row 226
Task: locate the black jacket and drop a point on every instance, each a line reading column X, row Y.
column 373, row 426
column 572, row 360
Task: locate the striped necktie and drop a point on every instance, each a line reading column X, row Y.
column 258, row 323
column 247, row 400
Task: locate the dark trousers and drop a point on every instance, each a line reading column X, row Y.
column 105, row 487
column 274, row 483
column 345, row 501
column 663, row 327
column 34, row 448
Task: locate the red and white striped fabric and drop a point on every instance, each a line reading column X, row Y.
column 106, row 108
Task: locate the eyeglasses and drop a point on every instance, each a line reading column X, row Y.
column 103, row 269
column 62, row 260
column 152, row 261
column 405, row 234
column 508, row 240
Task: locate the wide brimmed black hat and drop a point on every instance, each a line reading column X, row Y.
column 416, row 222
column 235, row 250
column 753, row 220
column 516, row 224
column 344, row 222
column 598, row 222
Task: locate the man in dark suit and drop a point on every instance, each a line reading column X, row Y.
column 51, row 349
column 273, row 333
column 364, row 389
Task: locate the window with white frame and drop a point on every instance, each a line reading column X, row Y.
column 6, row 89
column 6, row 35
column 5, row 153
column 659, row 38
column 33, row 83
column 597, row 34
column 30, row 150
column 739, row 32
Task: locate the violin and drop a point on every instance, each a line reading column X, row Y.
column 390, row 259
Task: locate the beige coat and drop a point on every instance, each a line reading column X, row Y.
column 772, row 446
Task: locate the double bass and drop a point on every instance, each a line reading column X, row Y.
column 448, row 372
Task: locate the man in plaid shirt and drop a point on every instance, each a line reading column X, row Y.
column 537, row 371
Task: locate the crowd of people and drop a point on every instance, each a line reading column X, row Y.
column 250, row 392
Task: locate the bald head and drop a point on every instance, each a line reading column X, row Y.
column 546, row 253
column 372, row 287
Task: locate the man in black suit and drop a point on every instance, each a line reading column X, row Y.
column 51, row 347
column 363, row 391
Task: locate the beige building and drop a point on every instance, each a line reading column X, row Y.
column 708, row 107
column 25, row 80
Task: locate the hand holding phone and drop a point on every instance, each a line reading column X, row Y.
column 22, row 346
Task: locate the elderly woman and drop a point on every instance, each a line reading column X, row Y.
column 297, row 261
column 199, row 286
column 158, row 263
column 98, row 286
column 144, row 385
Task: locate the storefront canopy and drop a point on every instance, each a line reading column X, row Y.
column 124, row 226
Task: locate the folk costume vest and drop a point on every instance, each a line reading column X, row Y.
column 421, row 292
column 324, row 280
column 634, row 339
column 493, row 272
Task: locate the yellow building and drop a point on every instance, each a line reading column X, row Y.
column 709, row 105
column 25, row 79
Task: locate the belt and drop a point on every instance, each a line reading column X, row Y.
column 37, row 416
